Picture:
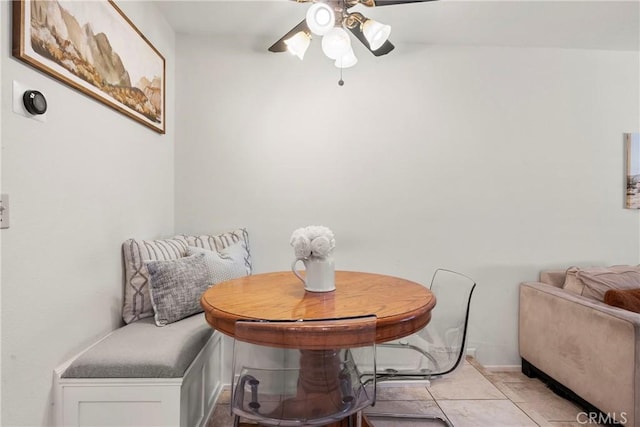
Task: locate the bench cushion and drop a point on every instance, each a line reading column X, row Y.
column 143, row 350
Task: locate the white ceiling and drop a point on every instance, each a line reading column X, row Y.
column 612, row 25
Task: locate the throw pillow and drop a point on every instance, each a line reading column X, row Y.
column 136, row 302
column 221, row 241
column 627, row 299
column 176, row 286
column 599, row 280
column 571, row 281
column 224, row 265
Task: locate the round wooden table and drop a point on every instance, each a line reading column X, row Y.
column 401, row 307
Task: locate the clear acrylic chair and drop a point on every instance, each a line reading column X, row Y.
column 436, row 350
column 301, row 373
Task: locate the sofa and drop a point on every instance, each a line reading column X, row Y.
column 584, row 348
column 164, row 366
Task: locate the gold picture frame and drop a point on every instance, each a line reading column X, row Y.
column 632, row 170
column 93, row 47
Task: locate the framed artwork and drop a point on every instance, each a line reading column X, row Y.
column 632, row 148
column 93, row 47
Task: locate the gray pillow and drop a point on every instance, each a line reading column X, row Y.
column 176, row 286
column 219, row 242
column 227, row 264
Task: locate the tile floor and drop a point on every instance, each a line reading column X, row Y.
column 471, row 397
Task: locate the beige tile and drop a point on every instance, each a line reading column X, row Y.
column 482, row 413
column 507, row 377
column 466, row 383
column 404, row 408
column 399, row 422
column 567, row 424
column 399, row 392
column 537, row 417
column 535, row 396
column 528, row 391
column 507, row 391
column 573, row 424
column 553, row 409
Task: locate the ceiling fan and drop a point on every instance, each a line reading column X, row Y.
column 330, row 19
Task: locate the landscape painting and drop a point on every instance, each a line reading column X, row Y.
column 93, row 47
column 632, row 144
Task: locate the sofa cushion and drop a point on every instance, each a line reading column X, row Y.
column 142, row 350
column 221, row 241
column 571, row 281
column 136, row 303
column 595, row 281
column 627, row 299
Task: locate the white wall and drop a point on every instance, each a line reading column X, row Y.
column 1, row 145
column 497, row 162
column 80, row 184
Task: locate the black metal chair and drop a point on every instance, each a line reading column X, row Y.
column 288, row 382
column 436, row 350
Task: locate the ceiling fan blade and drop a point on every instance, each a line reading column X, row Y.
column 280, row 45
column 382, row 50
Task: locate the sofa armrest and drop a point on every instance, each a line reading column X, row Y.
column 587, row 346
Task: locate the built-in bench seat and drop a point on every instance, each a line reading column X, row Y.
column 164, row 367
column 143, row 375
column 143, row 350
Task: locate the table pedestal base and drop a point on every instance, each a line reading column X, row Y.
column 318, row 392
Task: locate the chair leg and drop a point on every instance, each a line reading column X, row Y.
column 442, row 419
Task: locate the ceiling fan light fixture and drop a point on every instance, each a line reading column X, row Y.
column 298, row 44
column 375, row 33
column 347, row 60
column 320, row 18
column 336, row 43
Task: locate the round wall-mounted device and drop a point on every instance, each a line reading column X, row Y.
column 34, row 102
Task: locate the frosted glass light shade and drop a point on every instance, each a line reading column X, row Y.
column 336, row 43
column 347, row 60
column 298, row 44
column 320, row 18
column 375, row 33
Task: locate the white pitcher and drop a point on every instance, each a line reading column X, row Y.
column 319, row 276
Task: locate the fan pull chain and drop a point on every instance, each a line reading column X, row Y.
column 340, row 82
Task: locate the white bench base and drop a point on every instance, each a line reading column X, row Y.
column 136, row 402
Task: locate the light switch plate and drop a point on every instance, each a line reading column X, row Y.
column 18, row 106
column 4, row 211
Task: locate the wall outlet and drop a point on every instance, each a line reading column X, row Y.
column 4, row 211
